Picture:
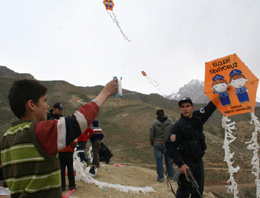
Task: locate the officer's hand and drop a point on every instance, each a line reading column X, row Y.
column 183, row 169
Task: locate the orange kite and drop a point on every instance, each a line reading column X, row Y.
column 230, row 85
column 109, row 4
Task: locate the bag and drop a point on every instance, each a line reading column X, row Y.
column 104, row 153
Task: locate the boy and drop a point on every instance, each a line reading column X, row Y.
column 29, row 148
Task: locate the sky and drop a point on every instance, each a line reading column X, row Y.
column 77, row 40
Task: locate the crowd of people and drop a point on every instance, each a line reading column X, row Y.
column 29, row 148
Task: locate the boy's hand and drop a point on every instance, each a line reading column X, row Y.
column 110, row 89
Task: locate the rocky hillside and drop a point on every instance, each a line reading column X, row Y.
column 6, row 72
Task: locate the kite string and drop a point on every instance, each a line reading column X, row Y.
column 113, row 17
column 154, row 83
column 229, row 138
column 253, row 145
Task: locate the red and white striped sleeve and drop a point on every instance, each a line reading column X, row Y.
column 54, row 135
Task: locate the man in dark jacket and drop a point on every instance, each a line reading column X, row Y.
column 186, row 145
column 159, row 132
column 55, row 113
column 96, row 138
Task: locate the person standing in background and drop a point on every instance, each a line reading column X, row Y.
column 159, row 132
column 66, row 160
column 55, row 113
column 95, row 141
column 66, row 154
column 82, row 142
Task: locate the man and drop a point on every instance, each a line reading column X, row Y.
column 66, row 154
column 29, row 148
column 82, row 142
column 66, row 160
column 186, row 145
column 95, row 139
column 159, row 132
column 55, row 113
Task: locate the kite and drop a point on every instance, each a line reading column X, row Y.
column 152, row 81
column 77, row 100
column 232, row 87
column 109, row 5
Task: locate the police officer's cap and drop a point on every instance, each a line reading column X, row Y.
column 58, row 105
column 185, row 99
column 235, row 72
column 217, row 77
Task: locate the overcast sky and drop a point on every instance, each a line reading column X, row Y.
column 77, row 41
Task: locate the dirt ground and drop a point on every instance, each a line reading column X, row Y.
column 128, row 176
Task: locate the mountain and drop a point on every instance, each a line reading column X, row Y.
column 126, row 122
column 5, row 72
column 195, row 90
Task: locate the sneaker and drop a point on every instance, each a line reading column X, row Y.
column 160, row 180
column 92, row 170
column 74, row 188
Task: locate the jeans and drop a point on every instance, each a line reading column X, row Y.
column 159, row 152
column 81, row 147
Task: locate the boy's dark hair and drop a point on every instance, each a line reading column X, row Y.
column 160, row 112
column 22, row 91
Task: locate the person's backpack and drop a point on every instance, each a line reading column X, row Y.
column 104, row 153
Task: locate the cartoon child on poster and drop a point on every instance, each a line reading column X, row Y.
column 220, row 86
column 238, row 80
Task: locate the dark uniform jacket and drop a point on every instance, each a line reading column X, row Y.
column 187, row 140
column 51, row 116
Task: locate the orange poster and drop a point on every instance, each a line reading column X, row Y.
column 230, row 85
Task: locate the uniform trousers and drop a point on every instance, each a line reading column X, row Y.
column 66, row 159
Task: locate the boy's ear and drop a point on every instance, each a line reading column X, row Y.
column 30, row 105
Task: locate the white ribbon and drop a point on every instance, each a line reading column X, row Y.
column 81, row 175
column 253, row 145
column 229, row 138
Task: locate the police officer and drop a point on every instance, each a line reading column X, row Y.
column 186, row 145
column 55, row 113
